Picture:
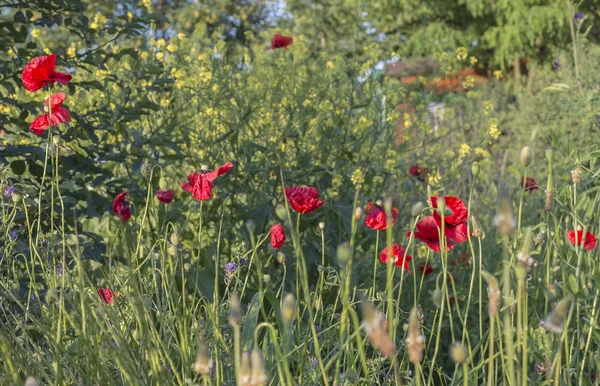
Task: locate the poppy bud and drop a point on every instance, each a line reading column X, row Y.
column 549, row 155
column 16, row 198
column 526, row 156
column 344, row 252
column 187, row 267
column 245, row 370
column 235, row 310
column 172, row 250
column 203, row 364
column 31, row 381
column 251, row 226
column 175, row 238
column 459, row 353
column 146, row 170
column 322, row 225
column 162, row 184
column 281, row 212
column 358, row 213
column 267, row 278
column 281, row 257
column 417, row 209
column 56, row 140
column 288, row 309
column 259, row 373
column 475, row 169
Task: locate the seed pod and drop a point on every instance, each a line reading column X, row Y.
column 344, row 252
column 358, row 213
column 281, row 257
column 417, row 209
column 259, row 373
column 415, row 341
column 245, row 374
column 203, row 363
column 235, row 310
column 288, row 309
column 146, row 170
column 493, row 293
column 459, row 353
column 526, row 156
column 475, row 169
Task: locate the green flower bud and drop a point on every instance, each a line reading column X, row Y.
column 459, row 353
column 281, row 212
column 526, row 156
column 475, row 169
column 437, row 297
column 162, row 184
column 417, row 209
column 16, row 198
column 146, row 170
column 251, row 226
column 344, row 252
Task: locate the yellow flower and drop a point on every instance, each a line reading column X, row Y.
column 435, row 178
column 11, row 52
column 47, row 51
column 35, row 33
column 330, row 65
column 498, row 74
column 473, row 60
column 172, row 47
column 161, row 43
column 129, row 16
column 464, row 150
column 147, row 3
column 181, row 36
column 160, row 55
column 468, row 82
column 494, row 131
column 144, row 55
column 482, row 152
column 461, row 53
column 357, row 177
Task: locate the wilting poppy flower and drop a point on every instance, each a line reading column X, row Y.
column 529, row 185
column 165, row 196
column 376, row 218
column 425, row 268
column 121, row 207
column 589, row 243
column 398, row 252
column 427, row 232
column 59, row 114
column 303, row 199
column 280, row 41
column 456, row 222
column 107, row 296
column 41, row 72
column 277, row 236
column 200, row 184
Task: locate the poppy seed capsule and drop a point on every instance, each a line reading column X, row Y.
column 281, row 257
column 475, row 169
column 322, row 225
column 526, row 156
column 146, row 170
column 358, row 213
column 16, row 198
column 344, row 252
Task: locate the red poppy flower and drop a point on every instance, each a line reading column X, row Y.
column 455, row 223
column 425, row 268
column 41, row 72
column 277, row 236
column 280, row 41
column 303, row 199
column 398, row 252
column 121, row 207
column 415, row 170
column 376, row 218
column 200, row 184
column 59, row 114
column 530, row 184
column 427, row 232
column 165, row 196
column 590, row 242
column 107, row 296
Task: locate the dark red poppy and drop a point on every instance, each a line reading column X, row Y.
column 376, row 218
column 398, row 252
column 121, row 207
column 425, row 268
column 200, row 184
column 455, row 219
column 59, row 114
column 427, row 232
column 303, row 199
column 280, row 41
column 40, row 72
column 277, row 236
column 593, row 377
column 165, row 196
column 589, row 243
column 107, row 296
column 529, row 185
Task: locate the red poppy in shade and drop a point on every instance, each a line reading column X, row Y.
column 165, row 196
column 589, row 243
column 59, row 114
column 529, row 184
column 277, row 236
column 41, row 72
column 427, row 232
column 107, row 296
column 280, row 41
column 376, row 218
column 303, row 199
column 456, row 222
column 425, row 268
column 200, row 184
column 121, row 207
column 398, row 252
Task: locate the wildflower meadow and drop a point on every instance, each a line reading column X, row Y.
column 299, row 193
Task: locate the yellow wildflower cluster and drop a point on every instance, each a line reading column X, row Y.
column 35, row 33
column 461, row 53
column 357, row 177
column 487, row 107
column 464, row 150
column 473, row 60
column 494, row 131
column 98, row 22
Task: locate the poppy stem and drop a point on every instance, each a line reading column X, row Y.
column 39, row 222
column 373, row 288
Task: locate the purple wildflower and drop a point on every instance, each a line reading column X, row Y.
column 540, row 367
column 317, row 328
column 578, row 18
column 12, row 235
column 243, row 261
column 556, row 65
column 230, row 269
column 59, row 270
column 9, row 191
column 314, row 361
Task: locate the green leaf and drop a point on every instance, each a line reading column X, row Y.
column 271, row 298
column 18, row 167
column 247, row 336
column 558, row 87
column 158, row 17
